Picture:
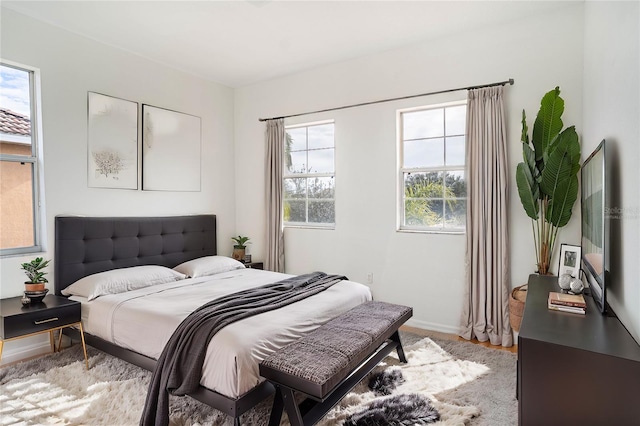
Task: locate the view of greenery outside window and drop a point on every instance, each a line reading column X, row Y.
column 309, row 175
column 432, row 164
column 19, row 165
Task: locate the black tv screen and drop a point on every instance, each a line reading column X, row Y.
column 594, row 224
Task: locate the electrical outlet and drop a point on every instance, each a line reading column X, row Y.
column 370, row 278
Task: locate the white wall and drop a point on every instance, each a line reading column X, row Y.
column 71, row 66
column 425, row 271
column 612, row 111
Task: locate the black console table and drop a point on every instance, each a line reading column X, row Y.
column 575, row 369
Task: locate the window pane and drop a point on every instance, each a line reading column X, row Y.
column 423, row 212
column 455, row 151
column 455, row 213
column 15, row 148
column 322, row 212
column 456, row 185
column 321, row 136
column 297, row 139
column 321, row 187
column 415, row 153
column 16, row 204
column 294, row 211
column 456, row 120
column 295, row 188
column 423, row 124
column 423, row 153
column 321, row 161
column 424, row 185
column 298, row 162
column 15, row 124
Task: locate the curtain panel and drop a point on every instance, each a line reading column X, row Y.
column 275, row 140
column 485, row 313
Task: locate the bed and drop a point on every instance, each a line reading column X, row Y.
column 134, row 325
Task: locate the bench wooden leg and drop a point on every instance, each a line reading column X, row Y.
column 396, row 338
column 276, row 408
column 236, row 421
column 293, row 411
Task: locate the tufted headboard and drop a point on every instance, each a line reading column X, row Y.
column 88, row 245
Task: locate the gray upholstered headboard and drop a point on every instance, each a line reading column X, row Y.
column 88, row 245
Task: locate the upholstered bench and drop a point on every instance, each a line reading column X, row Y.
column 327, row 363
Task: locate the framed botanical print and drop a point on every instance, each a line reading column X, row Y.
column 112, row 142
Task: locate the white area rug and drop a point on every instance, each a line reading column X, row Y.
column 429, row 371
column 57, row 389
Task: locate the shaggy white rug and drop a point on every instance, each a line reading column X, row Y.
column 112, row 392
column 429, row 370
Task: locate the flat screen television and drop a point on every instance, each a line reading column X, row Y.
column 595, row 229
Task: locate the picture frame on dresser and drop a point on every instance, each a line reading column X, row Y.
column 570, row 256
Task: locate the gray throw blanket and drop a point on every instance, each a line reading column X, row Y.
column 179, row 367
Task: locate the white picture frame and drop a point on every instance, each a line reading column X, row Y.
column 171, row 150
column 570, row 260
column 112, row 142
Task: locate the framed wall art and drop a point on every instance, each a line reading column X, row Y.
column 112, row 139
column 570, row 258
column 170, row 150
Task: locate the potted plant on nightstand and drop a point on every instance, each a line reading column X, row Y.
column 239, row 247
column 35, row 273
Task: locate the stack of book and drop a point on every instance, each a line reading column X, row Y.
column 564, row 302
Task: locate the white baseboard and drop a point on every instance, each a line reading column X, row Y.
column 24, row 351
column 443, row 328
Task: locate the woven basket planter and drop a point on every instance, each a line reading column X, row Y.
column 516, row 306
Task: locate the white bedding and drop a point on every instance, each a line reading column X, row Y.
column 143, row 320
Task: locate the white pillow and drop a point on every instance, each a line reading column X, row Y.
column 208, row 265
column 121, row 280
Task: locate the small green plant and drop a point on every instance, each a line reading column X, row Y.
column 34, row 271
column 240, row 242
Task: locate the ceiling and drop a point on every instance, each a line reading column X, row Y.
column 238, row 43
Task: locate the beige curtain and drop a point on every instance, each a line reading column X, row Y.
column 485, row 313
column 275, row 136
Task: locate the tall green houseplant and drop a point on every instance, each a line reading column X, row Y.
column 547, row 179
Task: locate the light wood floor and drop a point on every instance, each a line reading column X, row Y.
column 447, row 336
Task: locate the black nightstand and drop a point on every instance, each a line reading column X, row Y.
column 53, row 313
column 254, row 265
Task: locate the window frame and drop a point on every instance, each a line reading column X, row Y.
column 36, row 160
column 285, row 175
column 401, row 170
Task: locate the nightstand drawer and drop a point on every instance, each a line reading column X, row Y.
column 38, row 320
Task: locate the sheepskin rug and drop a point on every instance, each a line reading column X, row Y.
column 57, row 389
column 399, row 410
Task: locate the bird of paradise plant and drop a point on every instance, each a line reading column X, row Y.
column 547, row 179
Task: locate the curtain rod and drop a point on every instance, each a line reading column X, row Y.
column 500, row 83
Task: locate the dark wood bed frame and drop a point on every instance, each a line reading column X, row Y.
column 88, row 245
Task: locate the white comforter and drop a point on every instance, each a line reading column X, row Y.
column 143, row 320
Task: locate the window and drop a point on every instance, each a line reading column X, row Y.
column 19, row 162
column 431, row 174
column 309, row 172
